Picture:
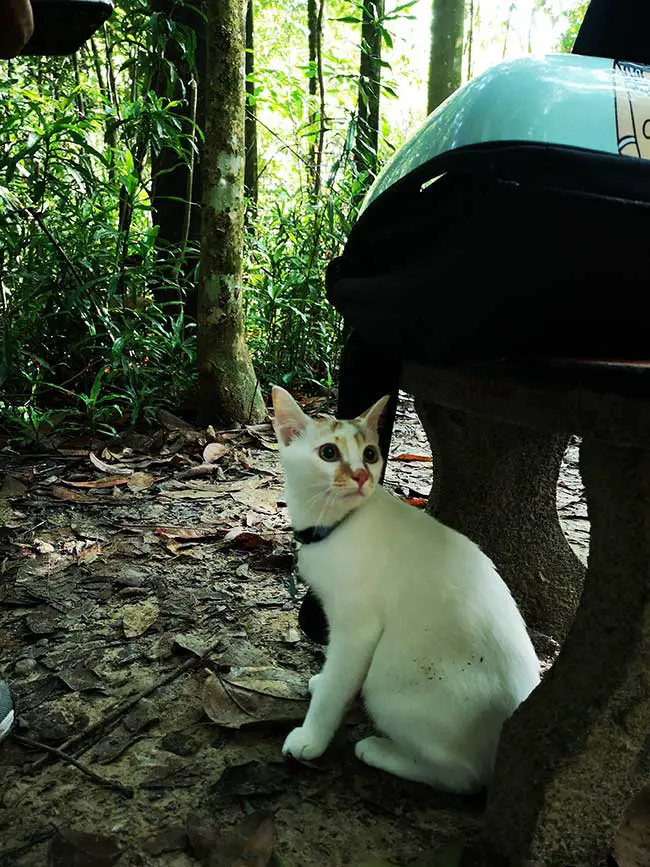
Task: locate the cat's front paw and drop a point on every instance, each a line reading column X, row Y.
column 304, row 743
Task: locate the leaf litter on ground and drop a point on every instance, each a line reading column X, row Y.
column 82, row 555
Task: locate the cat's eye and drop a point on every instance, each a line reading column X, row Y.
column 370, row 455
column 329, row 452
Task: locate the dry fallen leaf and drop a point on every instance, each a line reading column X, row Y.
column 407, row 457
column 241, row 698
column 193, row 494
column 259, row 498
column 11, row 487
column 170, row 839
column 250, row 779
column 238, row 537
column 418, row 502
column 103, row 467
column 72, row 848
column 249, row 844
column 190, row 534
column 60, row 493
column 8, row 517
column 108, row 482
column 139, row 481
column 267, row 680
column 180, row 550
column 213, row 451
column 194, row 643
column 136, row 619
column 264, row 435
column 199, row 470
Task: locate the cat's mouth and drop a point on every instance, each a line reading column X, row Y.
column 350, row 494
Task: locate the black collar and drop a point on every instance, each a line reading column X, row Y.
column 316, row 534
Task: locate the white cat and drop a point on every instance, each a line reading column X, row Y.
column 420, row 621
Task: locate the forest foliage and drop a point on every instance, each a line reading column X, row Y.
column 98, row 265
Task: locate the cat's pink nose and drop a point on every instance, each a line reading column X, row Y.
column 360, row 477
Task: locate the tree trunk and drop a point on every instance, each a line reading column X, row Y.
column 177, row 182
column 507, row 34
column 470, row 39
column 250, row 123
column 367, row 138
column 316, row 90
column 312, row 87
column 446, row 57
column 228, row 388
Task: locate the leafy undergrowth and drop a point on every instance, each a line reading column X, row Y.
column 149, row 632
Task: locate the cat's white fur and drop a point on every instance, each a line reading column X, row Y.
column 420, row 621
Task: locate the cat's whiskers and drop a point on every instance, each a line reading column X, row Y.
column 320, row 500
column 328, row 501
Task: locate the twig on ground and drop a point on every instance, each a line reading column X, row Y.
column 34, row 840
column 127, row 791
column 122, row 709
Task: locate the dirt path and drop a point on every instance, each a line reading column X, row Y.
column 149, row 631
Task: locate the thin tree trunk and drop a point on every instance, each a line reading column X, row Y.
column 189, row 184
column 470, row 40
column 507, row 34
column 322, row 120
column 228, row 390
column 111, row 73
column 531, row 27
column 316, row 123
column 109, row 126
column 173, row 175
column 312, row 87
column 250, row 123
column 446, row 57
column 367, row 138
column 79, row 98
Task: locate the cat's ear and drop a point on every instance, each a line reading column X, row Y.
column 371, row 416
column 290, row 421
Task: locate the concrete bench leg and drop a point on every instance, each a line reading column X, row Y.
column 498, row 486
column 578, row 750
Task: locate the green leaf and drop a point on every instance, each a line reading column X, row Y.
column 388, row 39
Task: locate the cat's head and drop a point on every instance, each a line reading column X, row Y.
column 331, row 466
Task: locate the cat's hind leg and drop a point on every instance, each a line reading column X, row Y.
column 388, row 756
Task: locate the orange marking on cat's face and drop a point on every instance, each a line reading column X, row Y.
column 350, row 474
